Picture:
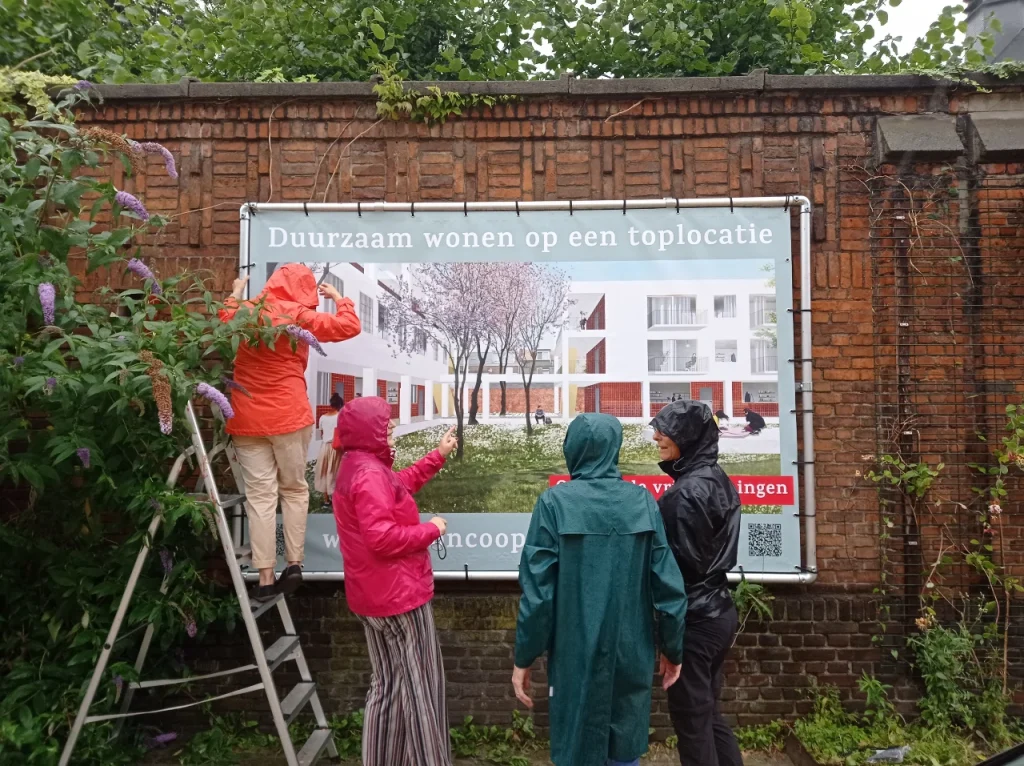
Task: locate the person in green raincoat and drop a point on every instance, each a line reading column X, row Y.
column 595, row 569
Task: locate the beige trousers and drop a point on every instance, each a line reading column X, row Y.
column 274, row 467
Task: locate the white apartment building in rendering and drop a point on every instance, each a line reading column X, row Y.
column 632, row 346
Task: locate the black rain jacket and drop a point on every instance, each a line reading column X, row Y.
column 701, row 509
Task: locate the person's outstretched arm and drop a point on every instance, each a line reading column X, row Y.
column 422, row 471
column 538, row 574
column 425, row 469
column 373, row 497
column 669, row 593
column 331, row 328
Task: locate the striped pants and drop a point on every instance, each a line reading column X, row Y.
column 406, row 720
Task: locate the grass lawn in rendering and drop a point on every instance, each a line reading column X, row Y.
column 504, row 470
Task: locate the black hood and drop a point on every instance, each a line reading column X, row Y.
column 691, row 425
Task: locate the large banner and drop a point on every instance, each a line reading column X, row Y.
column 513, row 322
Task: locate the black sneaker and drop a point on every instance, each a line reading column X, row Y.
column 262, row 593
column 290, row 580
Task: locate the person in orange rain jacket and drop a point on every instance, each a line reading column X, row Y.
column 273, row 420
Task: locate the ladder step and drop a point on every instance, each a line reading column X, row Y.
column 259, row 610
column 226, row 501
column 281, row 650
column 297, row 699
column 188, row 679
column 314, row 747
column 243, row 555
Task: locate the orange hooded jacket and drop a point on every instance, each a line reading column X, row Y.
column 276, row 377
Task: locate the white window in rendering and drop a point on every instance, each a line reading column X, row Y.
column 323, row 388
column 725, row 307
column 414, row 395
column 762, row 311
column 674, row 356
column 336, row 282
column 764, row 358
column 382, row 318
column 366, row 312
column 674, row 311
column 725, row 351
column 419, row 341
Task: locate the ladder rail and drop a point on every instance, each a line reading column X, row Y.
column 227, row 544
column 108, row 645
column 287, row 648
column 300, row 661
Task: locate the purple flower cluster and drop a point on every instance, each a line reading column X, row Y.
column 84, row 455
column 118, row 684
column 166, row 560
column 83, row 85
column 18, row 361
column 152, row 147
column 190, row 628
column 231, row 384
column 305, row 336
column 47, row 295
column 129, row 202
column 143, row 272
column 51, row 384
column 207, row 391
column 161, row 740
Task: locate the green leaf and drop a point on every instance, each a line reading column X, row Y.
column 378, row 31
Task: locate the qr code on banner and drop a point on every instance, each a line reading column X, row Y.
column 765, row 540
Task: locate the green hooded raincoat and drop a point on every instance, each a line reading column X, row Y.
column 595, row 568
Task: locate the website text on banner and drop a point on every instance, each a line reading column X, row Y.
column 754, row 490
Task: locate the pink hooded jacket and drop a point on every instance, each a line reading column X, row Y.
column 384, row 545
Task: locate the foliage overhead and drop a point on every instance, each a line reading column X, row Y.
column 299, row 40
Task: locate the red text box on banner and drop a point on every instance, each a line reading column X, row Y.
column 754, row 490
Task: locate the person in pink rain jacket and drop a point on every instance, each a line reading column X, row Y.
column 389, row 584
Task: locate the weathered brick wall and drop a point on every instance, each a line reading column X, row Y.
column 748, row 136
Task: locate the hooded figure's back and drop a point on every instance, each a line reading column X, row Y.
column 594, row 569
column 274, row 378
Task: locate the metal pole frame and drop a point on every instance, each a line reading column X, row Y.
column 804, row 387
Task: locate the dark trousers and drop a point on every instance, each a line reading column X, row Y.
column 705, row 739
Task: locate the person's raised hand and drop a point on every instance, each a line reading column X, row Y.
column 521, row 686
column 669, row 672
column 449, row 442
column 238, row 286
column 330, row 291
column 440, row 523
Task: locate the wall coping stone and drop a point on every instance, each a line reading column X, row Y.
column 755, row 82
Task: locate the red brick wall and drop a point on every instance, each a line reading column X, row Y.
column 717, row 393
column 596, row 359
column 782, row 136
column 623, row 400
column 347, row 383
column 596, row 319
column 515, row 398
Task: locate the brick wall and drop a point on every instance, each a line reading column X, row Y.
column 745, row 136
column 515, row 399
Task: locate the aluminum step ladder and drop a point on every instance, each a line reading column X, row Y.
column 284, row 649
